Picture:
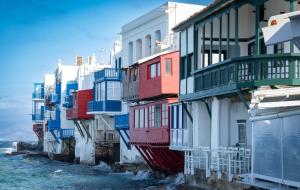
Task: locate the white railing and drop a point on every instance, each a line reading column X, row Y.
column 224, row 160
column 180, row 138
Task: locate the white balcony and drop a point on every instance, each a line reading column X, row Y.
column 230, row 161
column 180, row 139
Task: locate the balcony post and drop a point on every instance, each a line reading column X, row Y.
column 292, row 8
column 211, row 42
column 228, row 36
column 257, row 29
column 203, row 47
column 220, row 38
column 236, row 32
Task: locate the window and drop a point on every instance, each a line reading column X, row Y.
column 182, row 67
column 242, row 132
column 153, row 71
column 151, row 116
column 100, row 91
column 136, row 118
column 138, row 49
column 113, row 90
column 262, row 12
column 279, row 48
column 190, row 64
column 146, row 118
column 169, row 66
column 130, row 53
column 165, row 115
column 157, row 116
column 141, row 118
column 148, row 45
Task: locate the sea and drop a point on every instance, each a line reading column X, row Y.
column 27, row 173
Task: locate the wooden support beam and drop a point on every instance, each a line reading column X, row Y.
column 236, row 32
column 220, row 38
column 228, row 36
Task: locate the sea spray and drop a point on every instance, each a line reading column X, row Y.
column 103, row 167
column 142, row 175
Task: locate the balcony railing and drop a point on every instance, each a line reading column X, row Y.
column 130, row 90
column 105, row 106
column 180, row 138
column 38, row 117
column 39, row 92
column 227, row 160
column 53, row 124
column 243, row 72
column 122, row 122
column 108, row 74
column 66, row 133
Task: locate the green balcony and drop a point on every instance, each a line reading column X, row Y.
column 245, row 73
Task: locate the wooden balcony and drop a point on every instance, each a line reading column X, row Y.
column 150, row 123
column 130, row 91
column 246, row 72
column 111, row 74
column 159, row 77
column 80, row 105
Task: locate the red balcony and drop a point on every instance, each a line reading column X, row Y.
column 150, row 123
column 159, row 77
column 80, row 105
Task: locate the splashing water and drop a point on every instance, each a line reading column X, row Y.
column 22, row 173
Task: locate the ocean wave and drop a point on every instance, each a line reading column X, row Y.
column 6, row 150
column 142, row 175
column 103, row 167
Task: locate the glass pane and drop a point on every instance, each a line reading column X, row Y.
column 168, row 66
column 267, row 148
column 291, row 150
column 153, row 71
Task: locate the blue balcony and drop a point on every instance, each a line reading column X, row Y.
column 122, row 122
column 53, row 124
column 66, row 133
column 105, row 106
column 68, row 102
column 38, row 91
column 111, row 74
column 38, row 117
column 55, row 99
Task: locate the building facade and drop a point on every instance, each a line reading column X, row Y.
column 223, row 60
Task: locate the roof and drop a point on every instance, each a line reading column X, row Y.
column 216, row 5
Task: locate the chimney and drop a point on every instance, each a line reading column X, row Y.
column 78, row 60
column 92, row 59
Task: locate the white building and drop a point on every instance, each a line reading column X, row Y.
column 223, row 61
column 152, row 33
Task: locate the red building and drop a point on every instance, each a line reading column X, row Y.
column 80, row 105
column 150, row 119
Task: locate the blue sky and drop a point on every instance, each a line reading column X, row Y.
column 34, row 34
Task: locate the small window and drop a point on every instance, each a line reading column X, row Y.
column 165, row 115
column 279, row 48
column 169, row 66
column 157, row 116
column 113, row 90
column 151, row 116
column 190, row 64
column 146, row 117
column 242, row 132
column 182, row 68
column 158, row 69
column 136, row 118
column 141, row 118
column 153, row 71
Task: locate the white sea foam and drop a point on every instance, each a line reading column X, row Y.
column 103, row 167
column 57, row 172
column 6, row 150
column 142, row 175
